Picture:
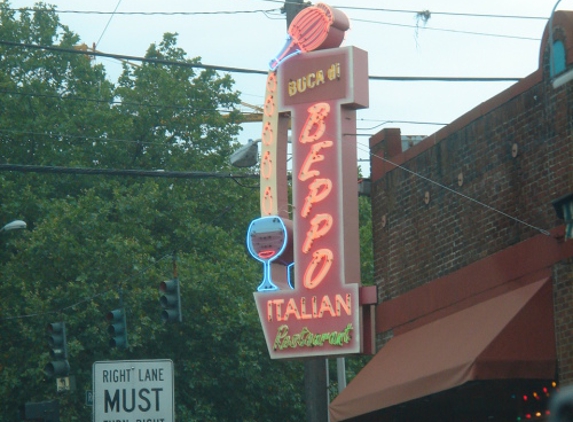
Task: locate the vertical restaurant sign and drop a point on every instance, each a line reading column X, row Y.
column 319, row 314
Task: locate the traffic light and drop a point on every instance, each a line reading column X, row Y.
column 59, row 366
column 117, row 328
column 170, row 301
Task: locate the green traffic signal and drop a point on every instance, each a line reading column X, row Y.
column 117, row 328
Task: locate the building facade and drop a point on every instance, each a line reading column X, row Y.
column 473, row 261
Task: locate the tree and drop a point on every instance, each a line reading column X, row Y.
column 95, row 240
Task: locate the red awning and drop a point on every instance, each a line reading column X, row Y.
column 508, row 337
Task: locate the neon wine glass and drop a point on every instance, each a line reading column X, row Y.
column 267, row 238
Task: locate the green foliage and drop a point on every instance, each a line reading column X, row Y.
column 95, row 240
column 366, row 247
column 91, row 239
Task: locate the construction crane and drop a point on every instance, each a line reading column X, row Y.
column 255, row 116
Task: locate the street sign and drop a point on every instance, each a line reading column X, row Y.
column 133, row 390
column 63, row 384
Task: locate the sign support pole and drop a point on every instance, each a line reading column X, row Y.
column 316, row 389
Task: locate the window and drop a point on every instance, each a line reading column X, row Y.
column 559, row 58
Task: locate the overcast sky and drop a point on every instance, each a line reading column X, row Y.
column 460, row 39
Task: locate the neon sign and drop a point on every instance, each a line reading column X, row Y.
column 319, row 313
column 313, row 28
column 267, row 238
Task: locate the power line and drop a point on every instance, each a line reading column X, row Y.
column 385, row 122
column 134, row 58
column 266, row 12
column 24, row 168
column 409, row 11
column 243, row 70
column 110, row 101
column 154, row 13
column 108, row 22
column 85, row 138
column 237, row 12
column 429, row 28
column 442, row 79
column 473, row 15
column 447, row 188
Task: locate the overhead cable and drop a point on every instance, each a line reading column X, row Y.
column 123, row 172
column 243, row 70
column 140, row 13
column 455, row 192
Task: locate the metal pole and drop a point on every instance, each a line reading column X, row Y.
column 315, row 390
column 292, row 7
column 341, row 374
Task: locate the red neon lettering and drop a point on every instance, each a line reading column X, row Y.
column 318, row 190
column 291, row 309
column 267, row 165
column 314, row 126
column 267, row 203
column 343, row 304
column 314, row 302
column 317, row 230
column 298, row 309
column 303, row 313
column 278, row 307
column 325, row 306
column 312, row 157
column 310, row 280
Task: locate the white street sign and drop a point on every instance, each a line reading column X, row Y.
column 133, row 391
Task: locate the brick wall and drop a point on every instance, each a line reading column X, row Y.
column 478, row 186
column 474, row 192
column 563, row 300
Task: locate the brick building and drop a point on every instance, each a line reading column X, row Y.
column 473, row 266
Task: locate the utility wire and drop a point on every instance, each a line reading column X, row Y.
column 266, row 12
column 408, row 11
column 447, row 188
column 243, row 70
column 67, row 97
column 85, row 138
column 237, row 12
column 133, row 58
column 140, row 13
column 108, row 22
column 429, row 28
column 385, row 122
column 472, row 15
column 23, row 168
